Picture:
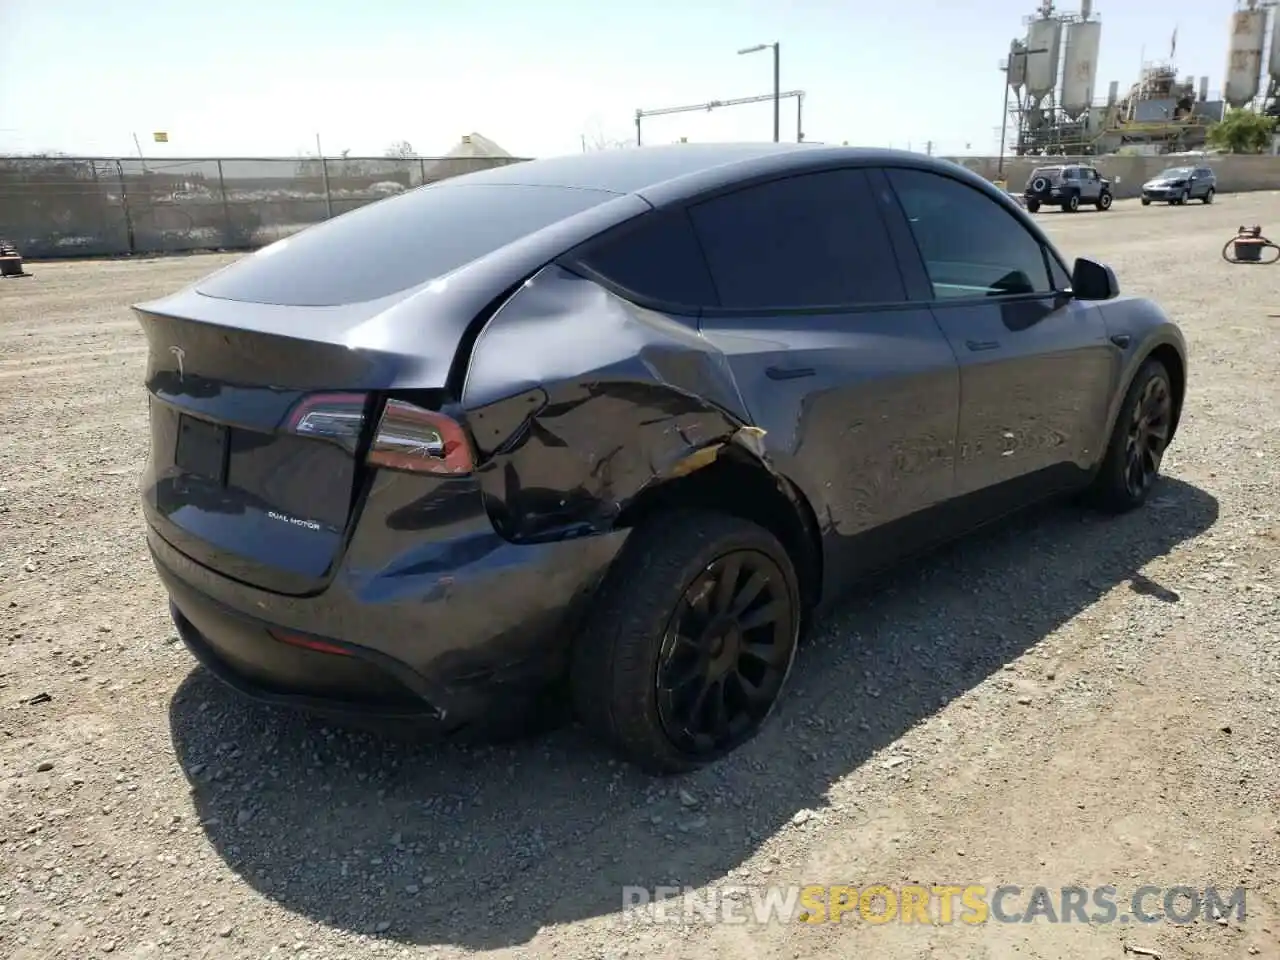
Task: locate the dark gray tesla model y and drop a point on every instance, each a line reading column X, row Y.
column 609, row 429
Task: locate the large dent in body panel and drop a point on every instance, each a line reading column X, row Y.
column 580, row 401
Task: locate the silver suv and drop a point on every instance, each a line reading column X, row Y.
column 1180, row 184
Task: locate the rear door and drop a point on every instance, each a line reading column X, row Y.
column 856, row 388
column 1035, row 365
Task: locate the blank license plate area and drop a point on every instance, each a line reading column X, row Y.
column 202, row 448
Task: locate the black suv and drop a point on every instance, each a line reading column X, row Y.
column 1067, row 187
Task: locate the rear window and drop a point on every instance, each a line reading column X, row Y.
column 1049, row 173
column 394, row 244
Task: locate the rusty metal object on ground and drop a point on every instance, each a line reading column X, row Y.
column 1249, row 246
column 11, row 260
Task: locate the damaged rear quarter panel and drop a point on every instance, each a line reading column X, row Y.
column 579, row 401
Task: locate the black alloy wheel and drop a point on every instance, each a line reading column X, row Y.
column 1208, row 197
column 1148, row 436
column 1135, row 450
column 726, row 653
column 1071, row 204
column 1104, row 202
column 688, row 641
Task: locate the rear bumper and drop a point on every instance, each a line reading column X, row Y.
column 448, row 634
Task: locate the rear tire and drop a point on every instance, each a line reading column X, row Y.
column 1208, row 197
column 1143, row 428
column 647, row 679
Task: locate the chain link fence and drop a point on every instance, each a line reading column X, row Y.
column 100, row 206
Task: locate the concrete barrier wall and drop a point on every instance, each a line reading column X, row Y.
column 1236, row 174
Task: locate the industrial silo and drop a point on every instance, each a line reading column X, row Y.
column 1016, row 69
column 1080, row 69
column 1244, row 56
column 1274, row 66
column 1043, row 40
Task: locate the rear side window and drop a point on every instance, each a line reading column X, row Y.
column 815, row 240
column 657, row 258
column 394, row 244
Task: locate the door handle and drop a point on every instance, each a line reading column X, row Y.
column 1121, row 340
column 976, row 345
column 788, row 373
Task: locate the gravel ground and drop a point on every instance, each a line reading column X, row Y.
column 1063, row 700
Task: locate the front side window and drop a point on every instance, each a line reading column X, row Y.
column 814, row 240
column 971, row 246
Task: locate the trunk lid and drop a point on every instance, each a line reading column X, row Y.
column 255, row 462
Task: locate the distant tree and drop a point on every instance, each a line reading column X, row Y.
column 402, row 150
column 1242, row 131
column 595, row 138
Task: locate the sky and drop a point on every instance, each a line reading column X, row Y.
column 238, row 78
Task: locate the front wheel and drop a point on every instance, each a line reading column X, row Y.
column 1143, row 429
column 1071, row 204
column 1208, row 197
column 690, row 641
column 1104, row 202
column 1146, row 201
column 1182, row 198
column 1033, row 206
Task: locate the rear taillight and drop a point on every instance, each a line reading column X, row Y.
column 338, row 417
column 421, row 441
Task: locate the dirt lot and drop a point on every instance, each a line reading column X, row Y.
column 1065, row 700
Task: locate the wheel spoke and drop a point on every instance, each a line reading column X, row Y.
column 1133, row 475
column 766, row 653
column 750, row 691
column 680, row 671
column 719, row 709
column 699, row 703
column 727, row 583
column 759, row 580
column 769, row 613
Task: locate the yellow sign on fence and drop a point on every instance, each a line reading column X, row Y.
column 160, row 136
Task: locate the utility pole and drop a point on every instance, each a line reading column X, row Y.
column 324, row 174
column 777, row 91
column 777, row 82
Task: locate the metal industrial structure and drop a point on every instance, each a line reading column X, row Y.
column 797, row 95
column 1051, row 101
column 1253, row 57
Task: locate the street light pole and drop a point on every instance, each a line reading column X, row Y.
column 777, row 82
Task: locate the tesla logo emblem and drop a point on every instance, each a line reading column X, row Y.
column 179, row 354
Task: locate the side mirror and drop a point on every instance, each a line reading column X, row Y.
column 1091, row 280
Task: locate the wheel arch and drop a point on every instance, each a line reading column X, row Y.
column 740, row 484
column 1176, row 366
